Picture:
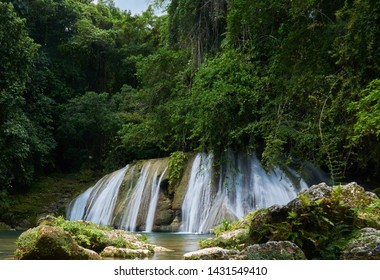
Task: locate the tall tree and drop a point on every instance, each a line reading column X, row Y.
column 20, row 141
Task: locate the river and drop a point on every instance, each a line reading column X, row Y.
column 179, row 243
column 7, row 244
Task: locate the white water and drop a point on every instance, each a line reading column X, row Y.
column 153, row 201
column 132, row 211
column 239, row 187
column 243, row 186
column 197, row 202
column 97, row 203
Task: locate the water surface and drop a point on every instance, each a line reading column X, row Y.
column 8, row 244
column 179, row 243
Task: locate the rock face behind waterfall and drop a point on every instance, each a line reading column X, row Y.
column 140, row 198
column 324, row 222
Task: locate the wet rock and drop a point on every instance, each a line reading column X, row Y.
column 214, row 253
column 158, row 249
column 125, row 253
column 365, row 247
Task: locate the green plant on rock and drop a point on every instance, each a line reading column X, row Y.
column 224, row 226
column 86, row 234
column 176, row 164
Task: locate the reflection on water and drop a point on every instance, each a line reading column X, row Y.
column 179, row 243
column 7, row 244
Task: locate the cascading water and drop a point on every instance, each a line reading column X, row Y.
column 243, row 186
column 97, row 203
column 129, row 221
column 197, row 202
column 126, row 199
column 153, row 201
column 137, row 198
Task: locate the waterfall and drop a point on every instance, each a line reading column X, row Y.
column 153, row 201
column 243, row 186
column 137, row 197
column 97, row 203
column 132, row 210
column 197, row 202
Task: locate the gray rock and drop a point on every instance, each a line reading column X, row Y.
column 365, row 247
column 125, row 253
column 214, row 253
column 273, row 250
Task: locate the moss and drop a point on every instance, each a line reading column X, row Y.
column 177, row 162
column 86, row 234
column 47, row 195
column 46, row 243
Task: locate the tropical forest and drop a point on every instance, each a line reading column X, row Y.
column 256, row 122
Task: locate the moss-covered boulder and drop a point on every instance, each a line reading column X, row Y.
column 56, row 238
column 50, row 243
column 365, row 247
column 273, row 250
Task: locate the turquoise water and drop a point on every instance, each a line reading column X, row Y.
column 179, row 243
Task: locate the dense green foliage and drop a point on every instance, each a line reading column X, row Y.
column 88, row 86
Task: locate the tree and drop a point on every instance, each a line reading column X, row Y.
column 21, row 143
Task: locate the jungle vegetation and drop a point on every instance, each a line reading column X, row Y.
column 87, row 86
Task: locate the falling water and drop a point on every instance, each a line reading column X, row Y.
column 132, row 211
column 129, row 198
column 243, row 186
column 197, row 202
column 153, row 201
column 97, row 203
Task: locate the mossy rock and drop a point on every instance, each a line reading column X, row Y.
column 274, row 250
column 49, row 243
column 235, row 239
column 365, row 247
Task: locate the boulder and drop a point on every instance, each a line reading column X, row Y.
column 126, row 240
column 125, row 253
column 365, row 247
column 230, row 239
column 50, row 243
column 214, row 253
column 273, row 250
